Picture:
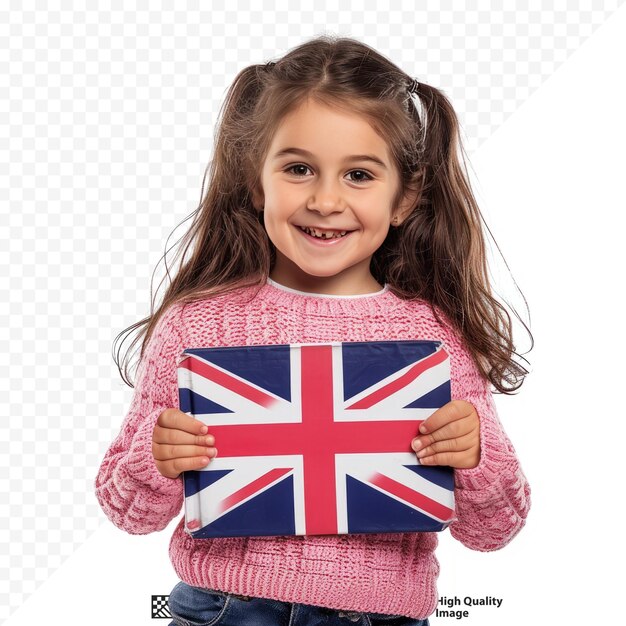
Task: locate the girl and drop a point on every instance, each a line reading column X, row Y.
column 337, row 211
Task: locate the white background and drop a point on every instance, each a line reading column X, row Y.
column 109, row 121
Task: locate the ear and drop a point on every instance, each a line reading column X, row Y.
column 258, row 199
column 404, row 209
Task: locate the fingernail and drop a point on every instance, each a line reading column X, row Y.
column 423, row 429
column 204, row 430
column 417, row 444
column 421, row 454
column 210, row 440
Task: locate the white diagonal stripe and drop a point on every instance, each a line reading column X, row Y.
column 363, row 466
column 254, row 413
column 205, row 504
column 389, row 407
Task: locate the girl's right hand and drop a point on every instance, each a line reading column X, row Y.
column 181, row 443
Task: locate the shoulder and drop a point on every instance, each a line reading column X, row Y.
column 197, row 310
column 207, row 320
column 428, row 321
column 167, row 329
column 162, row 346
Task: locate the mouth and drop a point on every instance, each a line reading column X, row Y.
column 325, row 234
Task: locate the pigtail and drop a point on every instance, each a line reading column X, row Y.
column 227, row 214
column 228, row 245
column 440, row 249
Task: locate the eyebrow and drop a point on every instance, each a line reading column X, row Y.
column 352, row 157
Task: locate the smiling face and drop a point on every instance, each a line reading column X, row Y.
column 329, row 172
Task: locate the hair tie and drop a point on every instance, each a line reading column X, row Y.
column 413, row 86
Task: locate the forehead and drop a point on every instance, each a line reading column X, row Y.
column 328, row 131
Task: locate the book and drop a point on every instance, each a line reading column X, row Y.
column 315, row 439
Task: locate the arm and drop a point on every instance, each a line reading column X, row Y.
column 493, row 498
column 130, row 489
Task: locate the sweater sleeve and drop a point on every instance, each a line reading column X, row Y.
column 130, row 489
column 493, row 498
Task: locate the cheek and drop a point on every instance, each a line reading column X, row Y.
column 281, row 204
column 375, row 221
column 379, row 233
column 284, row 196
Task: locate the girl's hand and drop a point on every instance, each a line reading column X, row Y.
column 450, row 436
column 181, row 443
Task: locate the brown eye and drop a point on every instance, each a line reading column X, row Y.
column 299, row 166
column 359, row 179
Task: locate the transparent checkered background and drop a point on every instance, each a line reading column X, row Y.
column 107, row 118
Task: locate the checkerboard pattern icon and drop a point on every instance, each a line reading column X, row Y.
column 160, row 607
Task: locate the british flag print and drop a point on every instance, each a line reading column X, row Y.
column 315, row 439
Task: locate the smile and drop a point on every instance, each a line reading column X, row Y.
column 324, row 234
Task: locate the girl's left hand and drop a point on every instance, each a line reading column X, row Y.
column 450, row 436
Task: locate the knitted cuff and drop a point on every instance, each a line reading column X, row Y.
column 141, row 466
column 493, row 468
column 132, row 493
column 498, row 464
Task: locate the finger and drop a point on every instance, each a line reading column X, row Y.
column 448, row 413
column 173, row 436
column 167, row 452
column 458, row 460
column 455, row 444
column 173, row 418
column 174, row 467
column 451, row 430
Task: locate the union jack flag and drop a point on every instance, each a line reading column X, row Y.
column 315, row 439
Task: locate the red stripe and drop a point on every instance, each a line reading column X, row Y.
column 318, row 454
column 314, row 436
column 227, row 381
column 403, row 381
column 253, row 488
column 407, row 494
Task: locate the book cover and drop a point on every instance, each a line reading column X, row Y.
column 315, row 438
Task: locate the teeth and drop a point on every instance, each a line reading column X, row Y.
column 323, row 234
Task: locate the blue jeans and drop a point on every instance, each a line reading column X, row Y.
column 194, row 606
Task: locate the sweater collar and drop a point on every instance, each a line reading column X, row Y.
column 308, row 294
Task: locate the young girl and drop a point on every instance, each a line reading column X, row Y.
column 337, row 211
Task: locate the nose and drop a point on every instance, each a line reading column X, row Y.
column 326, row 198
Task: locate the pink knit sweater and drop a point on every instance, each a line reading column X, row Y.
column 383, row 573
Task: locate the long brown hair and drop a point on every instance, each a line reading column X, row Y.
column 437, row 254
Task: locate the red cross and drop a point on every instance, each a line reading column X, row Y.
column 318, row 437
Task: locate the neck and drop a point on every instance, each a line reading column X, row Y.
column 314, row 294
column 331, row 286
